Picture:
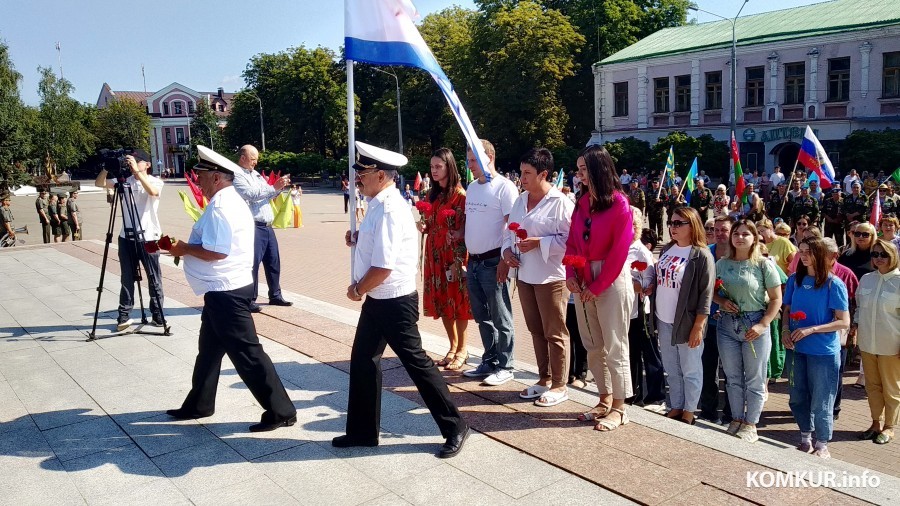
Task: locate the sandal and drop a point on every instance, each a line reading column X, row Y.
column 883, row 438
column 594, row 414
column 675, row 414
column 457, row 363
column 551, row 398
column 534, row 391
column 870, row 434
column 446, row 360
column 607, row 425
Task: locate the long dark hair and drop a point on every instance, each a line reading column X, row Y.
column 604, row 181
column 819, row 256
column 437, row 191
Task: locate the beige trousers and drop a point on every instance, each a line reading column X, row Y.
column 603, row 324
column 883, row 387
column 544, row 307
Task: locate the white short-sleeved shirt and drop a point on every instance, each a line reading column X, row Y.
column 147, row 206
column 388, row 239
column 487, row 206
column 226, row 226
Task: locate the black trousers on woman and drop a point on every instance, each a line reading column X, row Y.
column 644, row 356
column 226, row 327
column 578, row 367
column 393, row 322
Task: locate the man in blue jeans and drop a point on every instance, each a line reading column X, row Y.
column 488, row 204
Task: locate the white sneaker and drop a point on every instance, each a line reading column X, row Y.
column 748, row 433
column 656, row 407
column 123, row 323
column 500, row 377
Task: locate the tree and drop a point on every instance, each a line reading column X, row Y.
column 630, row 153
column 712, row 155
column 62, row 136
column 871, row 150
column 205, row 129
column 14, row 126
column 123, row 123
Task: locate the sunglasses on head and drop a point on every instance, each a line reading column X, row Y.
column 678, row 224
column 862, row 235
column 587, row 228
column 879, row 254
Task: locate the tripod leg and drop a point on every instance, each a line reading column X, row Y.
column 109, row 235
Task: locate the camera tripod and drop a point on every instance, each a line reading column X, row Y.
column 134, row 233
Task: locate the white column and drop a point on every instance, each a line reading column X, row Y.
column 773, row 87
column 597, row 99
column 695, row 92
column 812, row 84
column 864, row 50
column 642, row 96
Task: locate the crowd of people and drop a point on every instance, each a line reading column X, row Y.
column 752, row 285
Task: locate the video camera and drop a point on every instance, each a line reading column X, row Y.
column 113, row 160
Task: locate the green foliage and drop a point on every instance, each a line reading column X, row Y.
column 630, row 153
column 205, row 129
column 14, row 125
column 123, row 123
column 712, row 155
column 62, row 134
column 871, row 150
column 301, row 164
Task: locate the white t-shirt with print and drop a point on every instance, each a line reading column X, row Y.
column 487, row 206
column 669, row 274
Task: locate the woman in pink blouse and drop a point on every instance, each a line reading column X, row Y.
column 601, row 234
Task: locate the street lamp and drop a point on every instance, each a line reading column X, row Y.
column 262, row 129
column 733, row 22
column 399, row 122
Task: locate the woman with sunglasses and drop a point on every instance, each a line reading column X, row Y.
column 685, row 275
column 601, row 233
column 816, row 310
column 710, row 228
column 800, row 225
column 749, row 302
column 878, row 320
column 857, row 257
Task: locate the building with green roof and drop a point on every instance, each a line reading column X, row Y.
column 833, row 65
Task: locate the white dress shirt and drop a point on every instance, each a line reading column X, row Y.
column 878, row 313
column 637, row 252
column 226, row 226
column 549, row 220
column 388, row 239
column 147, row 207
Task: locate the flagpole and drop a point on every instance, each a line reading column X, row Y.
column 788, row 189
column 351, row 159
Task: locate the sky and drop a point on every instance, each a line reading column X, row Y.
column 202, row 44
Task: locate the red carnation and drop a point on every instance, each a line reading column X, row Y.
column 151, row 246
column 640, row 266
column 521, row 234
column 423, row 207
column 514, row 226
column 574, row 261
column 165, row 242
column 720, row 285
column 448, row 213
column 798, row 315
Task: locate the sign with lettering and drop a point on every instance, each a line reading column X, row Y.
column 776, row 134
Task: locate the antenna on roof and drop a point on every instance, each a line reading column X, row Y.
column 59, row 60
column 143, row 75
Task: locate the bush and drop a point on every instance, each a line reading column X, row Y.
column 301, row 164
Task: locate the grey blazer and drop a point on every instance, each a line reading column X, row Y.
column 695, row 295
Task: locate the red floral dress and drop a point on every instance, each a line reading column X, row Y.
column 443, row 298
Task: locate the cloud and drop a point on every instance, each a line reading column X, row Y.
column 232, row 82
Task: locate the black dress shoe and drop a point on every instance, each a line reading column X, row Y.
column 454, row 444
column 346, row 441
column 267, row 426
column 254, row 307
column 183, row 414
column 280, row 302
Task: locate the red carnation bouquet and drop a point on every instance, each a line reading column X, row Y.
column 520, row 234
column 424, row 209
column 639, row 266
column 578, row 263
column 741, row 316
column 164, row 243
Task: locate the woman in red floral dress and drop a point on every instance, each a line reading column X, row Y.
column 445, row 294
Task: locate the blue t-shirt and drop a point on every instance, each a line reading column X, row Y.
column 819, row 304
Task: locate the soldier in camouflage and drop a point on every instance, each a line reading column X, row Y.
column 833, row 216
column 777, row 207
column 636, row 195
column 856, row 205
column 805, row 204
column 656, row 202
column 701, row 199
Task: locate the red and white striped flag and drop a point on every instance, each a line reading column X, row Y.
column 875, row 217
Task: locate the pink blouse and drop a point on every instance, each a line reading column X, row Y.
column 610, row 234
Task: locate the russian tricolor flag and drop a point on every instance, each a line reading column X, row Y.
column 382, row 32
column 813, row 156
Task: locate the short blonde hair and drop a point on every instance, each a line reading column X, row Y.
column 891, row 250
column 864, row 227
column 783, row 229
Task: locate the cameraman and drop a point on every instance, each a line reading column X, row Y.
column 146, row 200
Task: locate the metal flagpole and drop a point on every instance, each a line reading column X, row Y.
column 787, row 190
column 351, row 158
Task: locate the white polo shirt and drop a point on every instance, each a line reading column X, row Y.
column 226, row 226
column 147, row 207
column 387, row 239
column 487, row 205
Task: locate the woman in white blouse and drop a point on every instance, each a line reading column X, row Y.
column 878, row 337
column 543, row 215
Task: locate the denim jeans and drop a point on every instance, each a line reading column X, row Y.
column 814, row 386
column 492, row 310
column 684, row 366
column 745, row 372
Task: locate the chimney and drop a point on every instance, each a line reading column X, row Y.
column 221, row 92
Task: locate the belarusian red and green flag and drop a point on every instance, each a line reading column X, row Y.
column 739, row 182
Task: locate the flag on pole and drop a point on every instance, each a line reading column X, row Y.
column 896, row 175
column 813, row 156
column 813, row 177
column 875, row 216
column 689, row 181
column 670, row 168
column 560, row 179
column 739, row 182
column 471, row 177
column 382, row 32
column 417, row 184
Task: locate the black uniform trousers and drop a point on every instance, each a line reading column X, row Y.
column 644, row 356
column 226, row 327
column 837, row 231
column 265, row 251
column 394, row 322
column 578, row 366
column 709, row 392
column 656, row 224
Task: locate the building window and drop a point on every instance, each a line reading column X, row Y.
column 794, row 82
column 179, row 135
column 682, row 93
column 839, row 79
column 661, row 94
column 756, row 86
column 714, row 90
column 165, row 108
column 179, row 108
column 190, row 108
column 890, row 86
column 620, row 90
column 168, row 136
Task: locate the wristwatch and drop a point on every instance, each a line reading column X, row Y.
column 356, row 292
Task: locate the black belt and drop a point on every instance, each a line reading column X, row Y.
column 487, row 255
column 261, row 224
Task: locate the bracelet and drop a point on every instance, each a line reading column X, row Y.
column 356, row 292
